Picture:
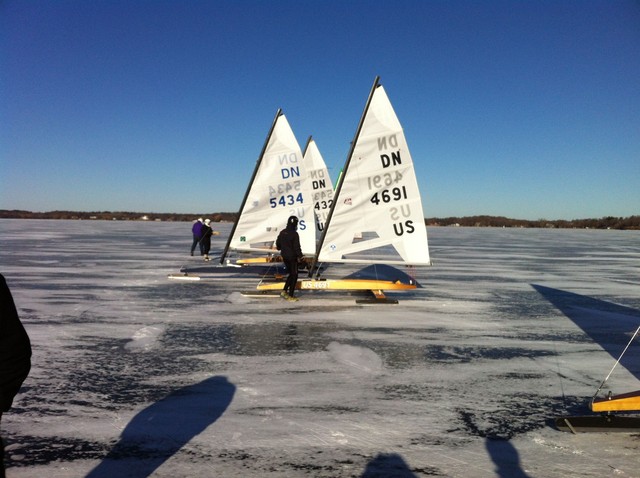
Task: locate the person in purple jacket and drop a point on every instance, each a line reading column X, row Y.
column 197, row 235
column 15, row 355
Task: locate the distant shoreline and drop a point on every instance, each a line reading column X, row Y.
column 609, row 222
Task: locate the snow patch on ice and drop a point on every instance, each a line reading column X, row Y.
column 361, row 359
column 145, row 339
column 249, row 391
column 340, row 438
column 238, row 298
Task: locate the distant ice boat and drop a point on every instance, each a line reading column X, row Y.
column 279, row 188
column 320, row 191
column 285, row 182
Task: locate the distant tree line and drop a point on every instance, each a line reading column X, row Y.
column 117, row 216
column 609, row 222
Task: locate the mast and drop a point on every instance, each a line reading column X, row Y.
column 253, row 176
column 339, row 178
column 306, row 146
column 344, row 171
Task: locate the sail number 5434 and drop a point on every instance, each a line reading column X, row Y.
column 286, row 200
column 388, row 195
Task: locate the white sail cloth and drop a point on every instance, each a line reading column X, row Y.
column 280, row 188
column 378, row 198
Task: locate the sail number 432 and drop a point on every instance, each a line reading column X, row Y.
column 286, row 200
column 388, row 195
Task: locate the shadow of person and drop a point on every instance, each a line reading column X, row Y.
column 156, row 433
column 388, row 465
column 506, row 458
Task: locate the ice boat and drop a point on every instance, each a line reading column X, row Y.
column 279, row 187
column 321, row 190
column 617, row 413
column 376, row 216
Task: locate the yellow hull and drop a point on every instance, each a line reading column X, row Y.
column 258, row 260
column 626, row 402
column 341, row 284
column 255, row 260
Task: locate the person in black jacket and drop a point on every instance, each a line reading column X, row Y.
column 15, row 355
column 205, row 241
column 288, row 243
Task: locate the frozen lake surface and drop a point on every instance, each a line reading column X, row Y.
column 135, row 375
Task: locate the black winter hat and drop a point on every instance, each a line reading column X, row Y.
column 292, row 221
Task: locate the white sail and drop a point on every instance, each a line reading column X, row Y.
column 321, row 185
column 279, row 189
column 377, row 198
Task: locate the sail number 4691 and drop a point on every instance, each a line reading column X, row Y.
column 388, row 195
column 386, row 179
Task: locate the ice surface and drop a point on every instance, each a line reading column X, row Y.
column 136, row 375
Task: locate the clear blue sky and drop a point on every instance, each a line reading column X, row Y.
column 527, row 109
